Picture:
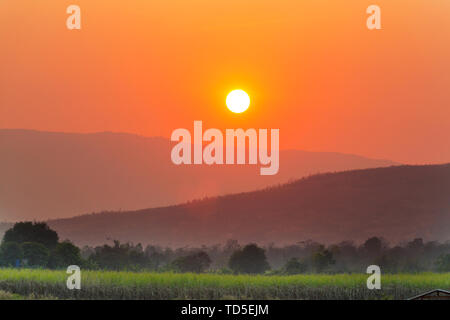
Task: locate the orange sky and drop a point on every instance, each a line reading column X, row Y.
column 311, row 68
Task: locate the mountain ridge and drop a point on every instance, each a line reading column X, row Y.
column 398, row 203
column 67, row 174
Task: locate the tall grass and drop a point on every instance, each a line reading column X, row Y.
column 133, row 285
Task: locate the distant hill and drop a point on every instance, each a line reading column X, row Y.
column 398, row 203
column 55, row 175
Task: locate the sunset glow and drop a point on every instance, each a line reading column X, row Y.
column 123, row 76
column 229, row 150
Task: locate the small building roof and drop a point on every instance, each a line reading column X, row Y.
column 436, row 294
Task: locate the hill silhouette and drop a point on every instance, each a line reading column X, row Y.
column 398, row 203
column 55, row 175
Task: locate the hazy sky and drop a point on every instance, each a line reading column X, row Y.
column 311, row 68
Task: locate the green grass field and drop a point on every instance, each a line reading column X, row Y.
column 131, row 285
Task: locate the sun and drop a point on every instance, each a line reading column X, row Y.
column 238, row 101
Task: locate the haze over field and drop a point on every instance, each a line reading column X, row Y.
column 56, row 175
column 398, row 203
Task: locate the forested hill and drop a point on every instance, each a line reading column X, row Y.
column 398, row 203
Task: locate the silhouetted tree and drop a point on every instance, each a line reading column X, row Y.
column 38, row 232
column 119, row 256
column 197, row 262
column 321, row 259
column 36, row 254
column 64, row 255
column 443, row 263
column 251, row 259
column 374, row 246
column 10, row 252
column 416, row 244
column 294, row 266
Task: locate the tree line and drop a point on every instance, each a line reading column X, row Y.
column 35, row 245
